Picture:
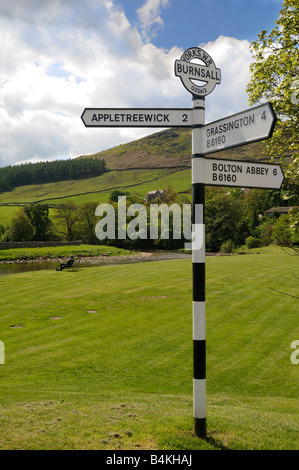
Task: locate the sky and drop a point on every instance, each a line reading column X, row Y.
column 58, row 57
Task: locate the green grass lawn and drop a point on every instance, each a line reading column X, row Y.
column 101, row 357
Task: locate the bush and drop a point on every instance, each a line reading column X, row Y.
column 252, row 242
column 227, row 247
column 223, row 220
column 282, row 231
column 264, row 232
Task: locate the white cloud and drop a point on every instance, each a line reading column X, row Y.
column 150, row 17
column 61, row 56
column 233, row 57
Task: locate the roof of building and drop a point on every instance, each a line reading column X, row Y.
column 156, row 191
column 280, row 209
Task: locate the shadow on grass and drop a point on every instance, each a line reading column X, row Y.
column 187, row 440
column 216, row 443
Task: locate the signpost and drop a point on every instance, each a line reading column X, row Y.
column 197, row 71
column 199, row 75
column 111, row 117
column 251, row 125
column 242, row 174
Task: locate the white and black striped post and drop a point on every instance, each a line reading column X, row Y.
column 199, row 75
column 198, row 267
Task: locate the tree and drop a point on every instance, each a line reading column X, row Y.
column 87, row 222
column 116, row 194
column 274, row 78
column 20, row 228
column 39, row 217
column 286, row 230
column 170, row 195
column 67, row 213
column 224, row 221
column 44, row 172
column 275, row 72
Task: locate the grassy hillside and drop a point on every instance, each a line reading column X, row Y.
column 94, row 189
column 163, row 149
column 101, row 357
column 168, row 148
column 153, row 162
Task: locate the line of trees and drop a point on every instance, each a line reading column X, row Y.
column 68, row 223
column 231, row 221
column 46, row 172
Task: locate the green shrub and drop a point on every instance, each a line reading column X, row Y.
column 227, row 247
column 264, row 232
column 282, row 231
column 252, row 242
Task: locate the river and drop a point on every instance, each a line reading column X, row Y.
column 15, row 268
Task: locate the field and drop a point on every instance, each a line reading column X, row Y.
column 93, row 189
column 153, row 162
column 101, row 357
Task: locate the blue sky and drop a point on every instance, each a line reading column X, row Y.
column 190, row 22
column 58, row 57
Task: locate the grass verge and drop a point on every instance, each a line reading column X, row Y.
column 55, row 252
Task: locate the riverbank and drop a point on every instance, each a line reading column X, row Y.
column 42, row 263
column 84, row 259
column 87, row 254
column 57, row 253
column 91, row 254
column 112, row 258
column 109, row 255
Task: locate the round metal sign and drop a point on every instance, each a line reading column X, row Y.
column 197, row 71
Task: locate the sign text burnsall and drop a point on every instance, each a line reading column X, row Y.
column 197, row 71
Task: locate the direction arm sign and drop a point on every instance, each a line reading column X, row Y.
column 251, row 125
column 242, row 174
column 112, row 117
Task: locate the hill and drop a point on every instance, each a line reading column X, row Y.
column 168, row 149
column 153, row 162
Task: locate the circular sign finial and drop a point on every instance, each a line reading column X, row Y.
column 199, row 77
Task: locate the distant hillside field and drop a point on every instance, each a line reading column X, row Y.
column 153, row 162
column 166, row 149
column 94, row 189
